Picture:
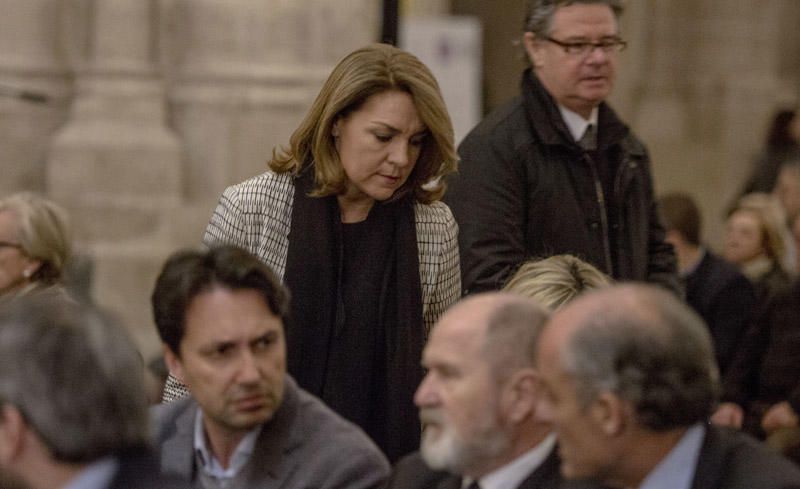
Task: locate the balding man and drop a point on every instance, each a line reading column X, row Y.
column 73, row 411
column 629, row 380
column 478, row 401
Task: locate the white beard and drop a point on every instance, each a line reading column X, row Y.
column 450, row 452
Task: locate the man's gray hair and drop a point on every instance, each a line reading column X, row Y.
column 539, row 13
column 651, row 350
column 512, row 332
column 74, row 375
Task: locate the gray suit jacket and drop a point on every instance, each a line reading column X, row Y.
column 304, row 445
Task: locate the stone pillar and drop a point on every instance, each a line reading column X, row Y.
column 712, row 78
column 30, row 61
column 115, row 164
column 425, row 8
column 242, row 73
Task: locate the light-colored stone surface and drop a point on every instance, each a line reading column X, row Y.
column 29, row 60
column 157, row 105
column 173, row 100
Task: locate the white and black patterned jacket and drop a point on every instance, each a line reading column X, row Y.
column 257, row 216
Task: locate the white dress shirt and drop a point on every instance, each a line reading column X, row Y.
column 676, row 470
column 209, row 463
column 512, row 474
column 577, row 124
column 96, row 475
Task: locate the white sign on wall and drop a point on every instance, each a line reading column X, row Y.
column 451, row 47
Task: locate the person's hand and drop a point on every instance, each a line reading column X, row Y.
column 780, row 415
column 728, row 414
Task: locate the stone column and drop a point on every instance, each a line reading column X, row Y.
column 115, row 164
column 713, row 75
column 30, row 61
column 242, row 73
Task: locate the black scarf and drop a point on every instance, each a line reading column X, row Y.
column 312, row 269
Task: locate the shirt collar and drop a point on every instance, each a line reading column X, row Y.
column 576, row 123
column 209, row 463
column 512, row 474
column 96, row 475
column 676, row 470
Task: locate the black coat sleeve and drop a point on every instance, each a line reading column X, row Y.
column 489, row 200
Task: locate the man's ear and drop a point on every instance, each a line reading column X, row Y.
column 12, row 434
column 533, row 47
column 174, row 363
column 520, row 395
column 610, row 413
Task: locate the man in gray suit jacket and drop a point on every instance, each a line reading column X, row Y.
column 221, row 316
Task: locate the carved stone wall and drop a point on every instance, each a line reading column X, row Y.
column 31, row 60
column 156, row 105
column 173, row 101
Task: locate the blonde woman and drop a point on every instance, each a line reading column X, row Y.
column 556, row 280
column 34, row 244
column 754, row 241
column 348, row 215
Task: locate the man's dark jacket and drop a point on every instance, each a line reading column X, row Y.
column 139, row 469
column 526, row 190
column 726, row 300
column 732, row 460
column 766, row 369
column 412, row 473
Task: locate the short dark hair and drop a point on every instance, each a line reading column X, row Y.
column 75, row 376
column 650, row 349
column 680, row 213
column 539, row 13
column 188, row 273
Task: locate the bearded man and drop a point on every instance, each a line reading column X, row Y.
column 478, row 402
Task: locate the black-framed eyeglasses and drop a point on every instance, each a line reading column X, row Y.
column 7, row 244
column 584, row 48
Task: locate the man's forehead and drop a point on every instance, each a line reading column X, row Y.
column 578, row 18
column 222, row 313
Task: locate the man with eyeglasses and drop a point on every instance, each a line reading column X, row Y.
column 555, row 170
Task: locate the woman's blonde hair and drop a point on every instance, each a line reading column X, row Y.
column 771, row 217
column 554, row 281
column 43, row 233
column 365, row 72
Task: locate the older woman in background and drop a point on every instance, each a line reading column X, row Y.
column 34, row 244
column 348, row 215
column 556, row 280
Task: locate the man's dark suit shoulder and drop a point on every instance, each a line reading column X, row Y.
column 139, row 469
column 732, row 460
column 712, row 276
column 413, row 473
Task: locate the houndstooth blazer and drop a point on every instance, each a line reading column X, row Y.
column 257, row 216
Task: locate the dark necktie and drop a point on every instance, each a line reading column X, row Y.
column 589, row 139
column 474, row 485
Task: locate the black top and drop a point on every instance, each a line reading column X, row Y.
column 358, row 344
column 726, row 300
column 347, row 291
